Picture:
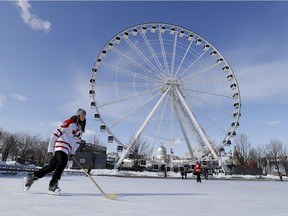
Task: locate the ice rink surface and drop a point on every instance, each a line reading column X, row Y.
column 144, row 196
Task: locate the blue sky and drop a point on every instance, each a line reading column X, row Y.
column 47, row 50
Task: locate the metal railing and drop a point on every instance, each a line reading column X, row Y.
column 9, row 169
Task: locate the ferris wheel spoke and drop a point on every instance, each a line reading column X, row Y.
column 160, row 122
column 192, row 64
column 183, row 58
column 151, row 50
column 208, row 93
column 130, row 84
column 164, row 56
column 134, row 110
column 139, row 66
column 192, row 81
column 136, row 49
column 128, row 72
column 211, row 105
column 196, row 73
column 127, row 98
column 211, row 119
column 173, row 55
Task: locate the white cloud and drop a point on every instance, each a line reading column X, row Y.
column 89, row 133
column 263, row 81
column 30, row 19
column 177, row 141
column 19, row 97
column 273, row 122
column 2, row 100
column 259, row 66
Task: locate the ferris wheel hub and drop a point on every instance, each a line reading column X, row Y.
column 169, row 83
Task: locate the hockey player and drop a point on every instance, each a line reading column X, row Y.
column 63, row 143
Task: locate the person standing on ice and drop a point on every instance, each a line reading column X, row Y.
column 63, row 143
column 198, row 170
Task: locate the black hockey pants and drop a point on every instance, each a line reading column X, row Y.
column 57, row 164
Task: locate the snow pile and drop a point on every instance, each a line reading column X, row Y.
column 171, row 174
column 2, row 163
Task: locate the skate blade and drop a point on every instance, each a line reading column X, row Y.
column 111, row 196
column 55, row 193
column 26, row 189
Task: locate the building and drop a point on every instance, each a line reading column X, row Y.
column 90, row 156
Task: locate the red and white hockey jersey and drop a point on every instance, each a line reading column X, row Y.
column 66, row 138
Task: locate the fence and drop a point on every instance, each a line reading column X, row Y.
column 8, row 169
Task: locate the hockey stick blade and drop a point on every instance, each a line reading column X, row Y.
column 111, row 196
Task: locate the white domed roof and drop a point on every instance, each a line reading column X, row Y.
column 161, row 152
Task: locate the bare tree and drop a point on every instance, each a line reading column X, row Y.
column 40, row 152
column 94, row 140
column 92, row 144
column 284, row 159
column 242, row 151
column 252, row 161
column 27, row 143
column 258, row 157
column 139, row 150
column 1, row 135
column 9, row 142
column 1, row 138
column 274, row 150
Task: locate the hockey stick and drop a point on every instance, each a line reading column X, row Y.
column 107, row 196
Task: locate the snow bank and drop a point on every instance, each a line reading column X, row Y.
column 106, row 172
column 2, row 163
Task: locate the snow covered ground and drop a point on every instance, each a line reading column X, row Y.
column 144, row 196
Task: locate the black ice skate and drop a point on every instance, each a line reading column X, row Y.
column 28, row 181
column 54, row 189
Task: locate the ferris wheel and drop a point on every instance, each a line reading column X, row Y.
column 167, row 85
